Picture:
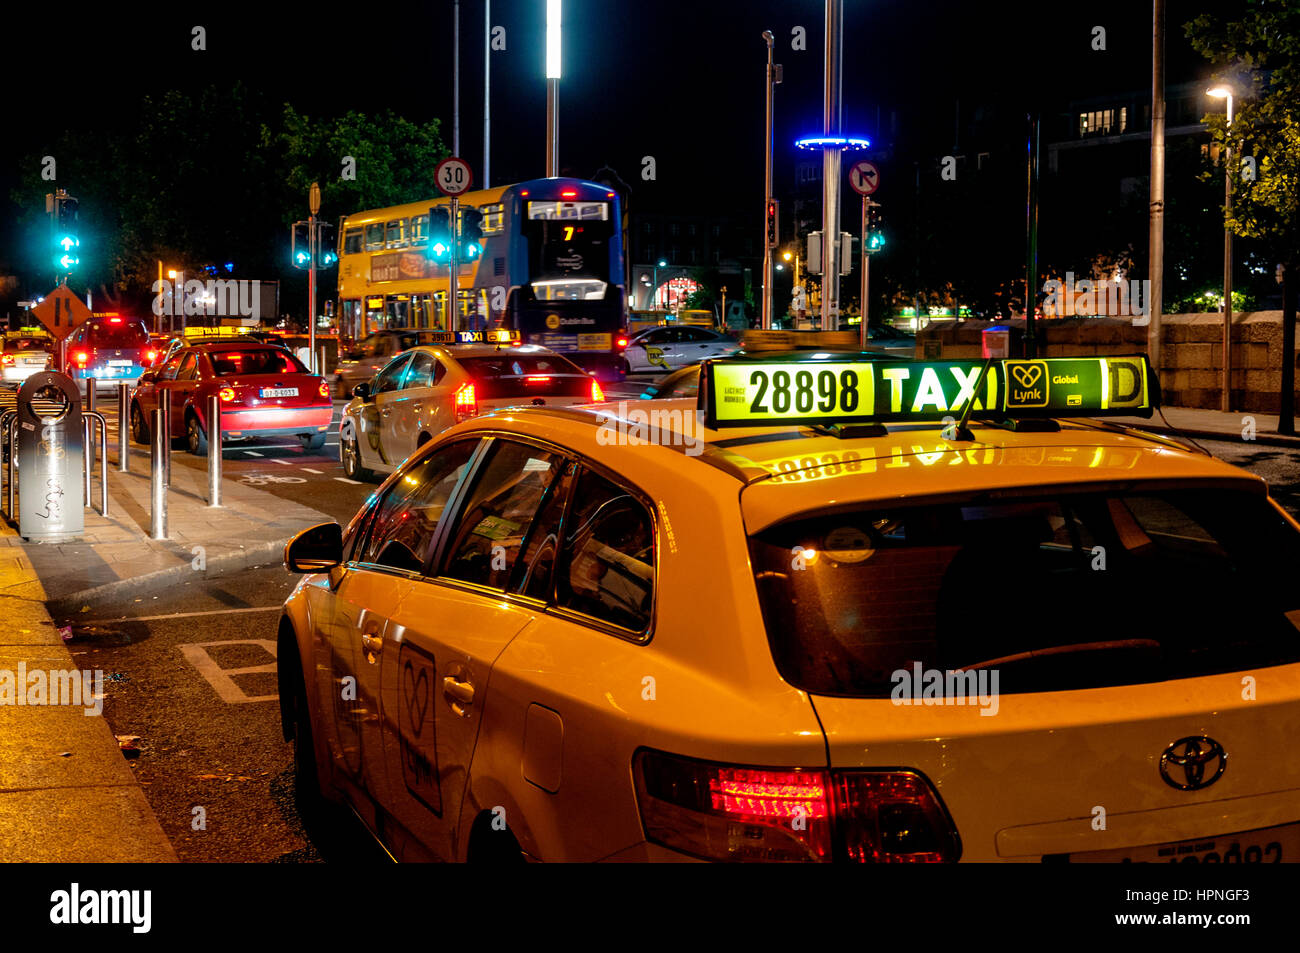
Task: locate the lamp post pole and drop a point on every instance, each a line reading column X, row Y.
column 1226, row 401
column 553, row 12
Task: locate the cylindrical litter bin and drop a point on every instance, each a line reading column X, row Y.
column 51, row 458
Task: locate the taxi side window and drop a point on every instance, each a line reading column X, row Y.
column 403, row 524
column 607, row 563
column 391, row 376
column 512, row 486
column 420, row 372
column 189, row 368
column 661, row 336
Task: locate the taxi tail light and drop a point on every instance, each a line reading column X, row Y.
column 597, row 395
column 81, row 357
column 466, row 402
column 734, row 813
column 151, row 356
column 6, row 359
column 723, row 812
column 324, row 389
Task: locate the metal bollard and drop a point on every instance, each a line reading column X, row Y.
column 321, row 369
column 123, row 427
column 165, row 407
column 11, row 435
column 89, row 408
column 157, row 488
column 88, row 442
column 214, row 450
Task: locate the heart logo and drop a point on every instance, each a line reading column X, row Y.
column 417, row 696
column 1027, row 374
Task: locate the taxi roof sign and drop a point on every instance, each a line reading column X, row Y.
column 755, row 393
column 495, row 336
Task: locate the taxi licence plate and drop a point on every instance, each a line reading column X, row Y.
column 1267, row 845
column 278, row 392
column 119, row 363
column 594, row 342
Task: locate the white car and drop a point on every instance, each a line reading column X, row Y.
column 426, row 389
column 668, row 348
column 24, row 356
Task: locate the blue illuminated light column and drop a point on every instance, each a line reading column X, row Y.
column 833, row 148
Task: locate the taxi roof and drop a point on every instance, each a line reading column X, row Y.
column 787, row 470
column 485, row 350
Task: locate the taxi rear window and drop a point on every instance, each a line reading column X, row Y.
column 24, row 344
column 118, row 335
column 511, row 375
column 1056, row 593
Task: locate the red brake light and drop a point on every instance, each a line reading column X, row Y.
column 569, row 193
column 226, row 393
column 537, row 379
column 724, row 812
column 597, row 395
column 81, row 357
column 620, row 342
column 6, row 359
column 324, row 389
column 151, row 356
column 114, row 320
column 466, row 402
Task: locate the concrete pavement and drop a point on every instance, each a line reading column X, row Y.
column 66, row 792
column 1214, row 425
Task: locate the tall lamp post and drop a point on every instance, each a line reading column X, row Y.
column 769, row 239
column 552, row 88
column 1225, row 404
column 654, row 291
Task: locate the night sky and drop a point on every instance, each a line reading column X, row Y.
column 681, row 80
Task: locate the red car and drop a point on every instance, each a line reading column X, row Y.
column 265, row 392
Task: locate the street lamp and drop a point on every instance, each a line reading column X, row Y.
column 552, row 88
column 1223, row 91
column 654, row 290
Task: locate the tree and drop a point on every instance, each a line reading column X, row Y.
column 1258, row 49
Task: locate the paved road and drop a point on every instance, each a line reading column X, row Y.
column 1280, row 466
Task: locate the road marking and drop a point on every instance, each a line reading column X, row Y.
column 176, row 615
column 219, row 678
column 346, row 480
column 278, row 460
column 252, row 454
column 310, row 470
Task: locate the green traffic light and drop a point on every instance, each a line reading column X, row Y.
column 439, row 250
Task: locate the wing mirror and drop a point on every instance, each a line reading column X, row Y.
column 362, row 390
column 315, row 549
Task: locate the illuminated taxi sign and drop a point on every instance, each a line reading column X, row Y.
column 494, row 336
column 758, row 393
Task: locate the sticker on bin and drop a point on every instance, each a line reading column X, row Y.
column 278, row 392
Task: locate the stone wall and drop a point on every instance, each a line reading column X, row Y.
column 1191, row 358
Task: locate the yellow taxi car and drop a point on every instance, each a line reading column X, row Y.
column 831, row 610
column 428, row 388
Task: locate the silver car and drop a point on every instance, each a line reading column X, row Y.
column 23, row 356
column 372, row 353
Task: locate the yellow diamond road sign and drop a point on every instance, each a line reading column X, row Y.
column 61, row 312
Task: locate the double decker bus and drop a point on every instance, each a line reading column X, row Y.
column 551, row 268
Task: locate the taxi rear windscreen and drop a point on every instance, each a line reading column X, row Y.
column 1056, row 593
column 532, row 375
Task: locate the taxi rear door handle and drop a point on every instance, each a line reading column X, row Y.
column 458, row 693
column 372, row 641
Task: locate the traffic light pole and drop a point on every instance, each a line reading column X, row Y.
column 311, row 293
column 453, row 270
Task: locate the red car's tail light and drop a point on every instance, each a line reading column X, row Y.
column 466, row 402
column 151, row 356
column 81, row 357
column 324, row 389
column 226, row 393
column 597, row 395
column 6, row 359
column 725, row 812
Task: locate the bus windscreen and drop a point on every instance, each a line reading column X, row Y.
column 568, row 250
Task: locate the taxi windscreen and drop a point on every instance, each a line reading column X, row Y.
column 1070, row 591
column 25, row 344
column 512, row 375
column 260, row 360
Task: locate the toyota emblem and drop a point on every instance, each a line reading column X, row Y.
column 1192, row 763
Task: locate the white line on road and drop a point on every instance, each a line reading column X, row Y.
column 346, row 480
column 278, row 460
column 310, row 470
column 252, row 454
column 176, row 615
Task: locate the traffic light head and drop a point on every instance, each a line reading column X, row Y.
column 439, row 233
column 773, row 226
column 66, row 242
column 471, row 233
column 327, row 253
column 300, row 246
column 875, row 233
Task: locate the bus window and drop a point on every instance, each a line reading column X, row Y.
column 395, row 230
column 399, row 315
column 419, row 229
column 493, row 218
column 352, row 241
column 375, row 236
